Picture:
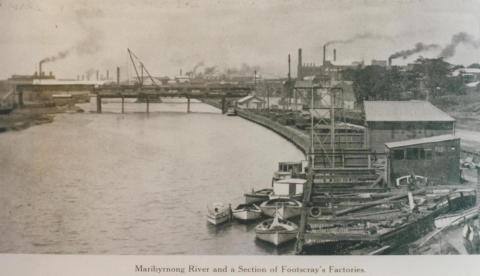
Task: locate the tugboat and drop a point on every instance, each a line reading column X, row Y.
column 276, row 230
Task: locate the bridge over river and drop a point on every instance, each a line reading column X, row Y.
column 146, row 93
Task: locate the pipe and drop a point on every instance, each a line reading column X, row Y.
column 334, row 54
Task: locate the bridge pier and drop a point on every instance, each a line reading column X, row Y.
column 224, row 110
column 99, row 104
column 188, row 104
column 20, row 99
column 123, row 104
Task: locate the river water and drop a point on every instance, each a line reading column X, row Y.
column 134, row 183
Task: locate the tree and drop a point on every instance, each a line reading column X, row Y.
column 474, row 65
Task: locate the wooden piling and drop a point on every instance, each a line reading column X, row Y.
column 123, row 104
column 99, row 104
column 148, row 105
column 188, row 104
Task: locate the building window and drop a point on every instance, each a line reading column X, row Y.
column 439, row 150
column 421, row 154
column 453, row 148
column 412, row 154
column 428, row 154
column 398, row 154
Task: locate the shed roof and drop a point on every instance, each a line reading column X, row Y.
column 249, row 98
column 404, row 111
column 411, row 142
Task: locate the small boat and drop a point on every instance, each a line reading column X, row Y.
column 284, row 207
column 247, row 212
column 258, row 196
column 276, row 231
column 218, row 213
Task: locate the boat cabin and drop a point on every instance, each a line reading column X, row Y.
column 288, row 187
column 290, row 169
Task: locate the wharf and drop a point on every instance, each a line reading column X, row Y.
column 300, row 139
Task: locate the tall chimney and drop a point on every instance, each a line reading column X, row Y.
column 324, row 53
column 389, row 61
column 299, row 69
column 288, row 66
column 118, row 75
column 334, row 54
column 40, row 69
column 108, row 75
column 97, row 75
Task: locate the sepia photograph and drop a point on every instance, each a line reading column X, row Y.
column 241, row 129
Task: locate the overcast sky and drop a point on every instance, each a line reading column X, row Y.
column 173, row 35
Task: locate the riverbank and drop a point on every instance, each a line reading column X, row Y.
column 22, row 118
column 296, row 137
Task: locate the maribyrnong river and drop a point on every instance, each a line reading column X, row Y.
column 134, row 183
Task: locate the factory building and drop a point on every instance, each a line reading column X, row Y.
column 391, row 121
column 437, row 158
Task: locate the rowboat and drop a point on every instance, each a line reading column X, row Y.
column 247, row 212
column 258, row 196
column 276, row 231
column 285, row 207
column 218, row 213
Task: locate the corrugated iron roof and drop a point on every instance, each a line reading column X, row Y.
column 404, row 111
column 433, row 139
column 249, row 98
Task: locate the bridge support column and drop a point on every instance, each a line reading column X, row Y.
column 20, row 99
column 188, row 104
column 224, row 108
column 123, row 104
column 99, row 104
column 148, row 104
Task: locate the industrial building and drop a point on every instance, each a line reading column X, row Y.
column 437, row 158
column 391, row 121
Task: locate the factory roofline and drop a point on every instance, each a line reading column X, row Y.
column 426, row 140
column 404, row 111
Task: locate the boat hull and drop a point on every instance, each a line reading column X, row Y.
column 247, row 215
column 285, row 212
column 276, row 237
column 250, row 198
column 216, row 220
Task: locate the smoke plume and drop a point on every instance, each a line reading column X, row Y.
column 418, row 48
column 459, row 38
column 358, row 37
column 90, row 44
column 210, row 70
column 243, row 70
